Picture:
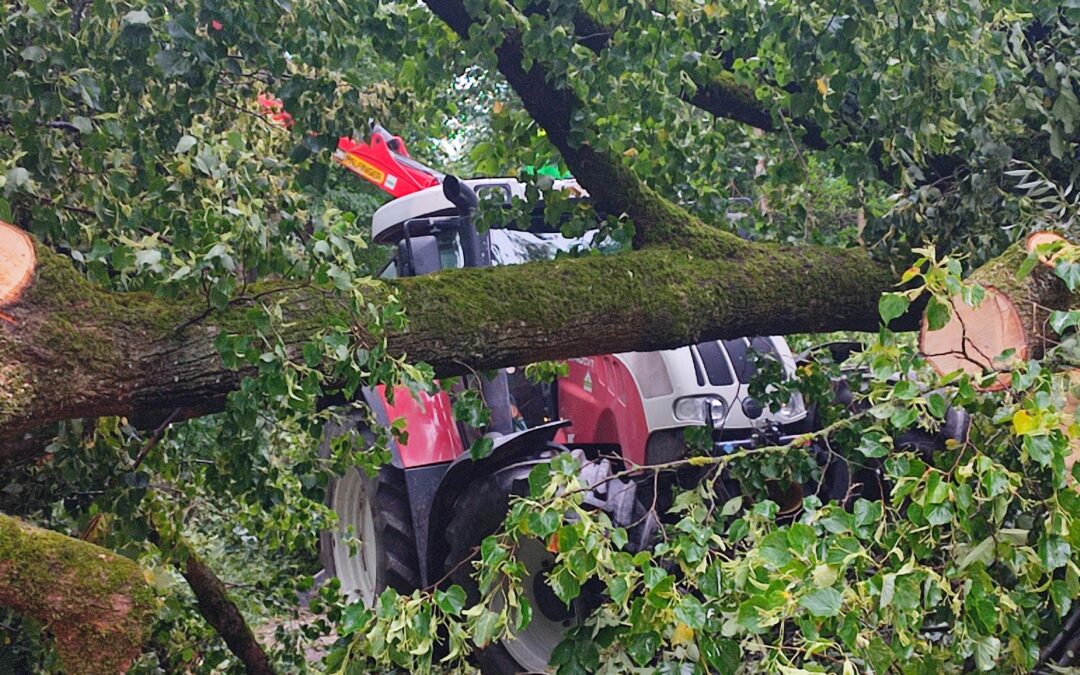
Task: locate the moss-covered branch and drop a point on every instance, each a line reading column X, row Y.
column 96, row 604
column 74, row 349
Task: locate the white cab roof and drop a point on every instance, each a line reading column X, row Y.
column 430, row 202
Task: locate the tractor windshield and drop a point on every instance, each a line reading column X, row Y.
column 513, row 247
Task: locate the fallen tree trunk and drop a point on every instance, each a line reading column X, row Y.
column 96, row 604
column 1010, row 325
column 73, row 349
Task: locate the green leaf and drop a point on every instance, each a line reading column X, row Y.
column 938, row 514
column 185, row 143
column 937, row 489
column 39, row 6
column 1040, row 449
column 725, row 656
column 485, row 627
column 1069, row 272
column 937, row 405
column 937, row 314
column 824, row 602
column 452, row 600
column 355, row 617
column 481, row 448
column 1054, row 552
column 871, row 445
column 1027, row 266
column 888, row 590
column 892, row 306
column 136, row 17
column 802, row 538
column 642, row 647
column 691, row 612
column 987, row 650
column 33, row 53
column 905, row 390
column 982, row 552
column 1060, row 321
column 774, row 550
column 539, row 478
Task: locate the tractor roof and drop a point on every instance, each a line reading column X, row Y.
column 386, row 224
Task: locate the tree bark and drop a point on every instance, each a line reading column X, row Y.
column 76, row 350
column 96, row 604
column 222, row 613
column 214, row 603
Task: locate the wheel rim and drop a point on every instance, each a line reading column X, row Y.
column 352, row 503
column 532, row 647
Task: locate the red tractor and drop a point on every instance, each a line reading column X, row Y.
column 430, row 507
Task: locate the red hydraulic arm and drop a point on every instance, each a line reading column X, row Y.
column 386, row 163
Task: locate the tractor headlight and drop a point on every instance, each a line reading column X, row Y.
column 702, row 410
column 791, row 409
column 717, row 410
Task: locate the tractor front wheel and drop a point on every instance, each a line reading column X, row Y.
column 372, row 547
column 479, row 512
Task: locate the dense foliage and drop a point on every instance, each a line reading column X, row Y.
column 132, row 138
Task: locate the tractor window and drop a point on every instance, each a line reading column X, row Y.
column 513, row 247
column 390, row 271
column 450, row 253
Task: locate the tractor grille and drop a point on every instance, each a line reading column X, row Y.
column 719, row 367
column 716, row 365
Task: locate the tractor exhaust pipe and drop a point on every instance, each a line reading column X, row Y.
column 460, row 195
column 496, row 391
column 465, row 201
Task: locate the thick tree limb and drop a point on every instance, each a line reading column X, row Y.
column 222, row 613
column 718, row 94
column 723, row 97
column 612, row 186
column 77, row 350
column 96, row 604
column 215, row 605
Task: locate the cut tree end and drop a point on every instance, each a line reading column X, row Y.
column 975, row 338
column 1038, row 239
column 17, row 261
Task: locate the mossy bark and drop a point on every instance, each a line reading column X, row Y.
column 96, row 604
column 77, row 350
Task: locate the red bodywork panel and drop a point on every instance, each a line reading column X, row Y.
column 376, row 162
column 602, row 400
column 433, row 433
column 599, row 395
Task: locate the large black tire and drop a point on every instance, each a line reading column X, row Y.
column 392, row 561
column 478, row 512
